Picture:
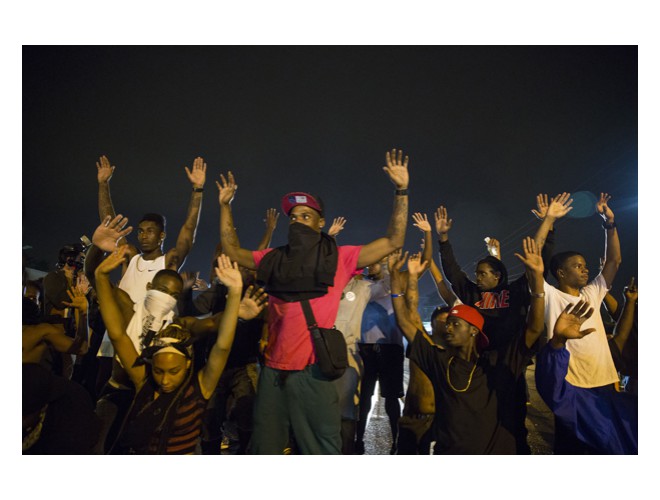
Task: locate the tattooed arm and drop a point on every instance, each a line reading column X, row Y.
column 397, row 170
column 228, row 237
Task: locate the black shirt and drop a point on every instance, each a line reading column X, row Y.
column 480, row 419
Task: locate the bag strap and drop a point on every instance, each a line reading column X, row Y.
column 309, row 314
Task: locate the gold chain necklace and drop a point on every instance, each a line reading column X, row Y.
column 469, row 379
column 137, row 263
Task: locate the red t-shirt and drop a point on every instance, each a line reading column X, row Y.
column 289, row 341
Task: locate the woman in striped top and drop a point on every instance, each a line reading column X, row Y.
column 166, row 413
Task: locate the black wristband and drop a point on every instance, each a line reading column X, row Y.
column 198, row 190
column 401, row 192
column 609, row 225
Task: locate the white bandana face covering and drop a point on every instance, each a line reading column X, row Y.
column 157, row 305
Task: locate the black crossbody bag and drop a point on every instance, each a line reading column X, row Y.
column 329, row 346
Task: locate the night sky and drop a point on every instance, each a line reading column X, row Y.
column 486, row 129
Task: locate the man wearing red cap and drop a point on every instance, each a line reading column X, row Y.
column 472, row 385
column 292, row 393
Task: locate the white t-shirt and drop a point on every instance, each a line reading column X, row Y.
column 134, row 282
column 591, row 362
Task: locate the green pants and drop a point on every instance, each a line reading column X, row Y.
column 301, row 401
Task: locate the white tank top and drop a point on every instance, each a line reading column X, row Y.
column 139, row 273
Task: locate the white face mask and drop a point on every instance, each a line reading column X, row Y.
column 158, row 303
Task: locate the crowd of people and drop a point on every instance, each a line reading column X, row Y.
column 161, row 361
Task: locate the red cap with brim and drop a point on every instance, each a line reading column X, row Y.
column 299, row 198
column 474, row 317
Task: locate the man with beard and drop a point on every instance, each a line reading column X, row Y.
column 292, row 393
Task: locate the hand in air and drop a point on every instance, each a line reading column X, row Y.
column 226, row 188
column 337, row 226
column 571, row 319
column 110, row 231
column 397, row 169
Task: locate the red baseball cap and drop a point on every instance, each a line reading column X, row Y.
column 474, row 317
column 296, row 198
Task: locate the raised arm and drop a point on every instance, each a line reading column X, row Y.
column 398, row 287
column 534, row 269
column 422, row 223
column 113, row 318
column 558, row 207
column 445, row 292
column 175, row 257
column 625, row 323
column 230, row 276
column 397, row 170
column 271, row 223
column 104, row 173
column 228, row 237
column 460, row 283
column 612, row 245
column 415, row 269
column 80, row 306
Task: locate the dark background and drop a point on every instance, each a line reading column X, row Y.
column 486, row 129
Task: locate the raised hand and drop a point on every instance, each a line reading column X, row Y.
column 493, row 247
column 541, row 206
column 395, row 262
column 532, row 258
column 337, row 226
column 200, row 284
column 397, row 169
column 228, row 273
column 78, row 299
column 83, row 283
column 560, row 205
column 415, row 265
column 110, row 231
column 112, row 261
column 630, row 291
column 197, row 176
column 271, row 219
column 421, row 222
column 442, row 221
column 103, row 170
column 603, row 208
column 226, row 188
column 253, row 302
column 571, row 319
